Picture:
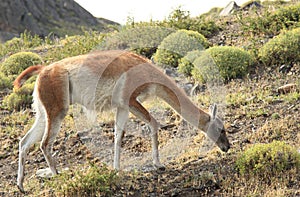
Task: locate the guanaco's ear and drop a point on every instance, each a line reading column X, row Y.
column 213, row 109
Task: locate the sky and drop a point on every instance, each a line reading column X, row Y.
column 119, row 11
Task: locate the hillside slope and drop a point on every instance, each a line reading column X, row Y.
column 43, row 17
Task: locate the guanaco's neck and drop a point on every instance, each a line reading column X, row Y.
column 181, row 103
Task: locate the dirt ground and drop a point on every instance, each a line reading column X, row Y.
column 249, row 119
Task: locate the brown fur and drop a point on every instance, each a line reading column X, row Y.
column 26, row 74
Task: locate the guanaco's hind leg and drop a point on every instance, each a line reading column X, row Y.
column 54, row 94
column 52, row 128
column 140, row 112
column 34, row 135
column 120, row 122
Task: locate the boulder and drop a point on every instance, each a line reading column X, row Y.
column 229, row 9
column 251, row 5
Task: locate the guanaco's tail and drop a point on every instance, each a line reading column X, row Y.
column 26, row 74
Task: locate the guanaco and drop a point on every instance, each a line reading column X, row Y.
column 103, row 80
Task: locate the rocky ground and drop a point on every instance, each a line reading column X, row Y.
column 255, row 113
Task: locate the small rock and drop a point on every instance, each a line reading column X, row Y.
column 197, row 89
column 285, row 68
column 287, row 88
column 44, row 173
column 86, row 139
column 187, row 87
column 251, row 98
column 170, row 72
column 246, row 141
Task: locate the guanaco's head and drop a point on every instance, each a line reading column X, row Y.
column 216, row 130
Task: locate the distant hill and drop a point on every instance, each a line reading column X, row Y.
column 44, row 16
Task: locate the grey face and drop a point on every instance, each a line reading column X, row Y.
column 216, row 131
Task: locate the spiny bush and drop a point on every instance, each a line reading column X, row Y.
column 15, row 44
column 180, row 19
column 282, row 49
column 186, row 64
column 5, row 82
column 74, row 45
column 268, row 160
column 222, row 63
column 18, row 62
column 272, row 23
column 141, row 38
column 284, row 18
column 95, row 181
column 206, row 27
column 25, row 42
column 19, row 99
column 177, row 45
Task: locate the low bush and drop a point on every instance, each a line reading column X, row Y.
column 284, row 18
column 272, row 23
column 141, row 38
column 177, row 45
column 18, row 62
column 222, row 63
column 207, row 28
column 19, row 99
column 186, row 64
column 74, row 45
column 5, row 82
column 181, row 19
column 268, row 160
column 25, row 42
column 94, row 181
column 282, row 49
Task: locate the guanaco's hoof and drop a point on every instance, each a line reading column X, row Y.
column 21, row 189
column 160, row 167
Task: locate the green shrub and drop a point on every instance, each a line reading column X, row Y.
column 186, row 64
column 282, row 49
column 178, row 19
column 18, row 62
column 268, row 159
column 222, row 62
column 177, row 45
column 30, row 41
column 284, row 18
column 95, row 181
column 271, row 23
column 5, row 82
column 74, row 45
column 14, row 44
column 204, row 24
column 20, row 99
column 141, row 38
column 25, row 42
column 206, row 27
